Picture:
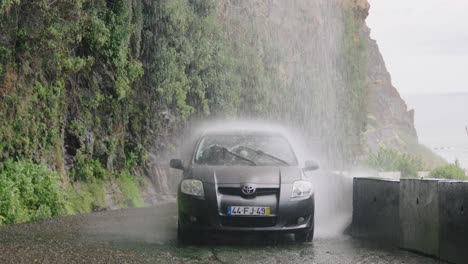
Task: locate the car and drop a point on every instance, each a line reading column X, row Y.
column 243, row 181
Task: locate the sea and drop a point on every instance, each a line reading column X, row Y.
column 441, row 121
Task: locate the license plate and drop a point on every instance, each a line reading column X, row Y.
column 248, row 210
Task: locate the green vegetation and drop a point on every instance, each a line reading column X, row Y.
column 73, row 96
column 450, row 171
column 85, row 197
column 130, row 191
column 5, row 5
column 410, row 145
column 90, row 195
column 87, row 88
column 28, row 192
column 392, row 160
column 353, row 104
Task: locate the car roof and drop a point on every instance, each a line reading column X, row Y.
column 243, row 131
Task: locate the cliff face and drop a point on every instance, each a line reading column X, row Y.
column 314, row 60
column 333, row 83
column 98, row 89
column 390, row 122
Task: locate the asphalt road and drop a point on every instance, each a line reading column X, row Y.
column 148, row 235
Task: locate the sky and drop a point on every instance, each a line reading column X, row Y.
column 424, row 43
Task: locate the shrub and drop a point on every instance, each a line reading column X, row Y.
column 450, row 171
column 5, row 5
column 85, row 197
column 28, row 192
column 392, row 160
column 130, row 190
column 89, row 169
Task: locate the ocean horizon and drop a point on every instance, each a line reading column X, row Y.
column 441, row 120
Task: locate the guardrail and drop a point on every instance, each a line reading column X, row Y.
column 428, row 216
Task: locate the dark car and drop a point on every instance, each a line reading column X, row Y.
column 244, row 181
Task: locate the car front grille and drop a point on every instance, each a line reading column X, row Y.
column 238, row 192
column 248, row 221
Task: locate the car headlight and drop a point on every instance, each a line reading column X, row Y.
column 192, row 187
column 301, row 189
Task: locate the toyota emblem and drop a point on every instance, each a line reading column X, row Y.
column 248, row 189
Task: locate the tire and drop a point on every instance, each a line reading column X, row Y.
column 307, row 236
column 186, row 237
column 182, row 236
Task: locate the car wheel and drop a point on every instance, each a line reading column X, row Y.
column 182, row 235
column 186, row 237
column 306, row 236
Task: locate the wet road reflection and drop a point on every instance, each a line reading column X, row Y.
column 149, row 236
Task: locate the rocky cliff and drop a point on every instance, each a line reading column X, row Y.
column 99, row 91
column 332, row 81
column 390, row 123
column 389, row 120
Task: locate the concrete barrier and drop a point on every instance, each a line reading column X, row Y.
column 395, row 175
column 453, row 209
column 419, row 215
column 376, row 210
column 429, row 216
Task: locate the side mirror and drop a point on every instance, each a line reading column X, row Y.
column 311, row 165
column 176, row 164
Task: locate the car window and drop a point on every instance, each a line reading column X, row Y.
column 245, row 149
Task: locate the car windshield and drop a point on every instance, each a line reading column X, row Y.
column 245, row 149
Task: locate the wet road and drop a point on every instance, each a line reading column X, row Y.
column 149, row 236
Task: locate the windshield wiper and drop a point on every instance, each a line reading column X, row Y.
column 226, row 150
column 266, row 154
column 238, row 156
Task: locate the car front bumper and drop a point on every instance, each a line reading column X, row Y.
column 207, row 214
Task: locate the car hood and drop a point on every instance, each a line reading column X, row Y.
column 246, row 174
